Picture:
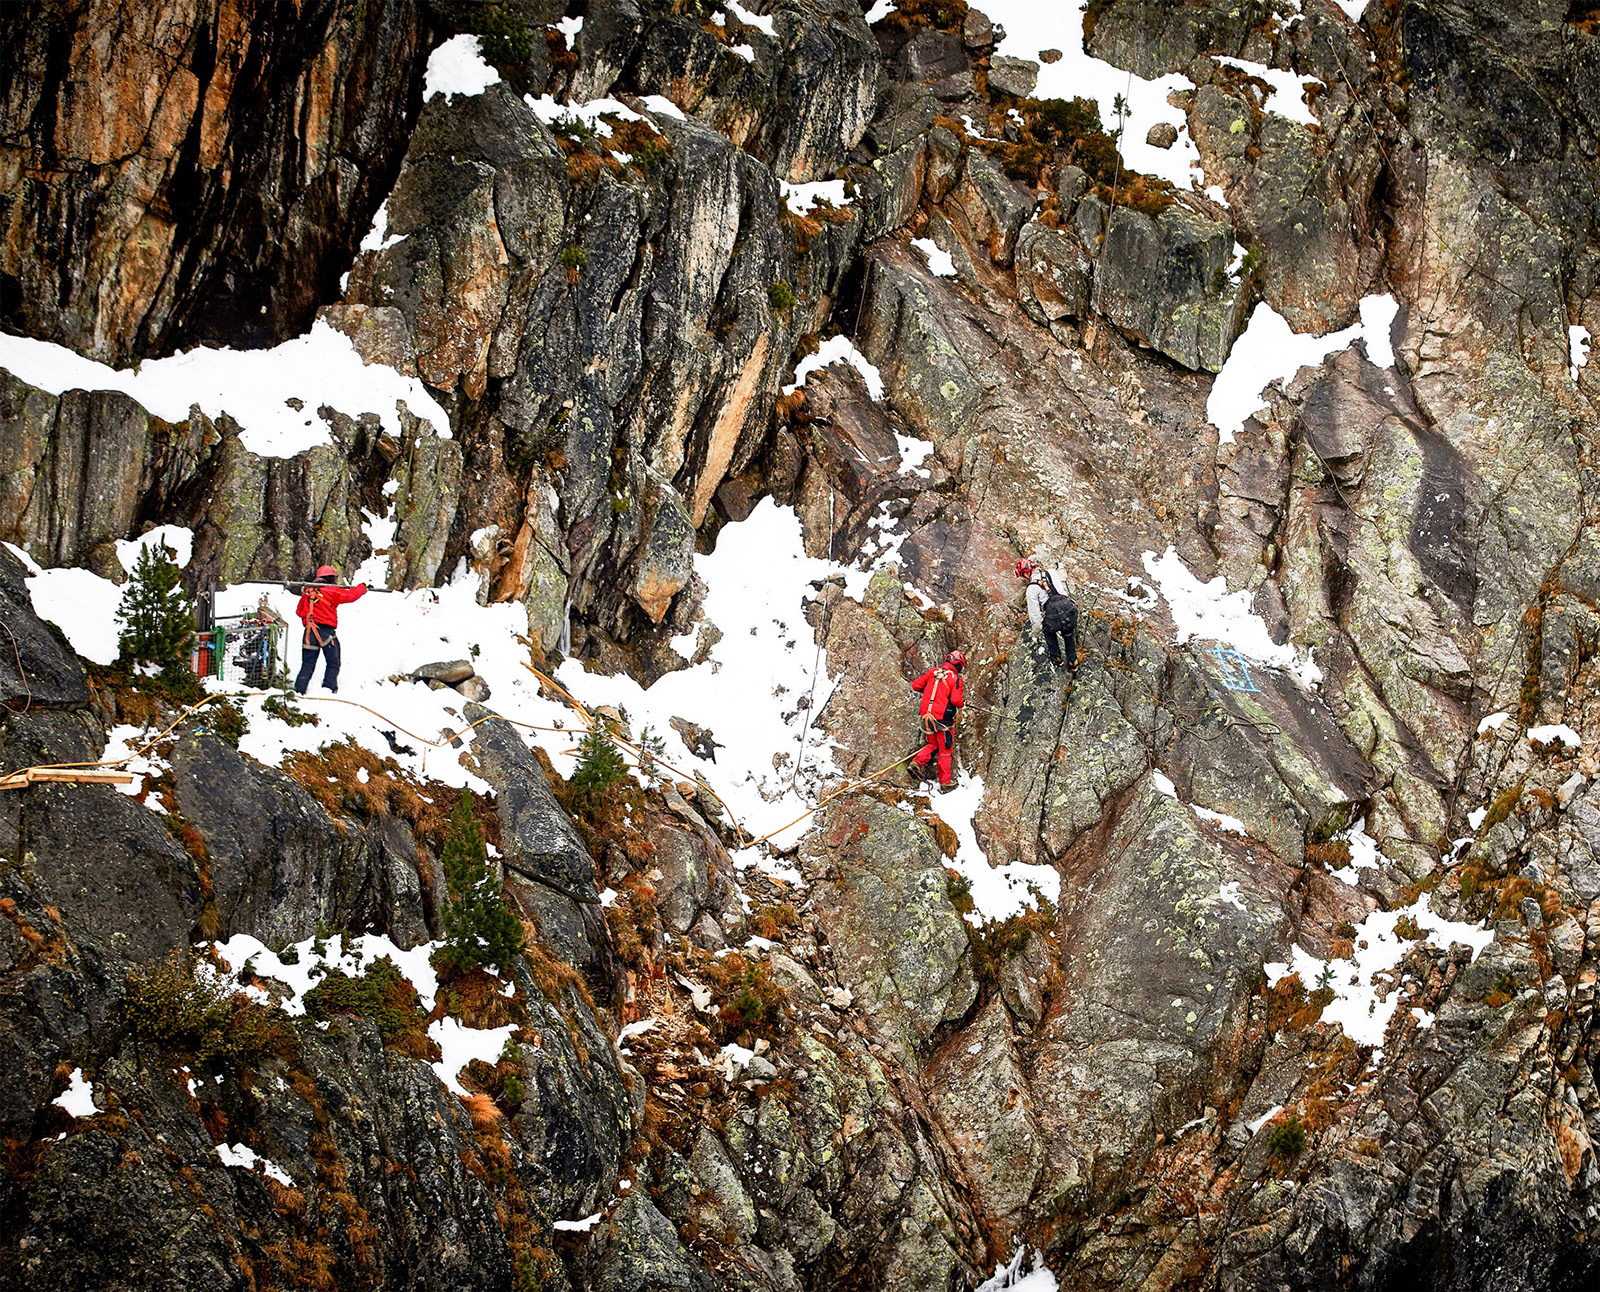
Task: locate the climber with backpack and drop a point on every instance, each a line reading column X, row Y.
column 941, row 697
column 319, row 612
column 1053, row 614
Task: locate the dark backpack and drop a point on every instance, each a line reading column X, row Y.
column 1060, row 612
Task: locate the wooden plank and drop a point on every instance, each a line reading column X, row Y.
column 64, row 775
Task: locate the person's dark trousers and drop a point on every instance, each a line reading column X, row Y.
column 1061, row 635
column 308, row 665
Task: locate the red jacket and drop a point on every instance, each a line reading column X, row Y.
column 320, row 603
column 941, row 692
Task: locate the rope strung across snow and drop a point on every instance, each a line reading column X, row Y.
column 25, row 776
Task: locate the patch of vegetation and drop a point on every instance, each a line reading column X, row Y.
column 1502, row 806
column 1330, row 856
column 917, row 15
column 381, row 994
column 226, row 721
column 1287, row 1140
column 997, row 941
column 170, row 1009
column 959, row 889
column 772, row 922
column 479, row 927
column 507, row 43
column 282, row 706
column 751, row 1004
column 631, row 920
column 780, row 295
column 345, row 778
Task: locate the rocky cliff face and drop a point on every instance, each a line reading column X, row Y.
column 1312, row 1004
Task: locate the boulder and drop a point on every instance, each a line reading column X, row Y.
column 1013, row 76
column 1162, row 135
column 995, row 205
column 1055, row 276
column 1164, row 281
column 474, row 688
column 537, row 838
column 448, row 671
column 37, row 668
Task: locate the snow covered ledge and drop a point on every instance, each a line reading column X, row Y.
column 274, row 395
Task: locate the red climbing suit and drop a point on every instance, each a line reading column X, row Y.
column 319, row 604
column 941, row 697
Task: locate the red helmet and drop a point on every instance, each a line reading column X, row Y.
column 327, row 572
column 1025, row 567
column 956, row 660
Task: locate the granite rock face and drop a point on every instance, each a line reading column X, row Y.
column 826, row 1069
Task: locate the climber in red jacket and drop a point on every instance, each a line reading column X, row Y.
column 319, row 612
column 941, row 697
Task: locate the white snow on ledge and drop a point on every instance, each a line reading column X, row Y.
column 1553, row 732
column 253, row 387
column 940, row 263
column 1209, row 612
column 457, row 67
column 1577, row 349
column 837, row 349
column 1288, row 97
column 78, row 1097
column 245, row 1156
column 800, row 198
column 1269, row 350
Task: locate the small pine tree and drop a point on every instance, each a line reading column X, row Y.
column 156, row 614
column 479, row 927
column 600, row 766
column 651, row 749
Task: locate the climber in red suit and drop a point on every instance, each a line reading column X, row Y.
column 941, row 697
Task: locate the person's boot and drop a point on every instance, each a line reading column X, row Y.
column 914, row 773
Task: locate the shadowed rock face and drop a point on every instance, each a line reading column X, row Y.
column 194, row 172
column 1110, row 1078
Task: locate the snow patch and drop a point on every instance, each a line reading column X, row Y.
column 1032, row 27
column 1366, row 992
column 940, row 265
column 760, row 22
column 837, row 349
column 570, row 27
column 457, row 67
column 378, row 237
column 1221, row 820
column 913, row 453
column 1011, row 1277
column 1269, row 350
column 254, row 387
column 1288, row 90
column 83, row 606
column 176, row 537
column 121, row 742
column 1553, row 732
column 998, row 892
column 660, row 103
column 1209, row 612
column 800, row 198
column 78, row 1097
column 459, row 1045
column 245, row 1156
column 879, row 11
column 1493, row 722
column 1577, row 349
